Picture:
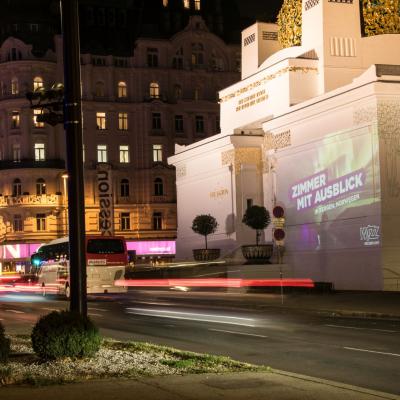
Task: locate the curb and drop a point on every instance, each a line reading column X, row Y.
column 358, row 389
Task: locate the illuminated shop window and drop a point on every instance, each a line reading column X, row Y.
column 124, row 154
column 102, row 153
column 154, row 90
column 37, row 83
column 157, row 152
column 123, row 121
column 152, row 57
column 40, row 222
column 125, row 221
column 124, row 188
column 156, row 121
column 122, row 89
column 16, row 187
column 40, row 152
column 40, row 186
column 18, row 223
column 157, row 221
column 36, row 123
column 158, row 187
column 101, row 121
column 14, row 86
column 16, row 152
column 15, row 119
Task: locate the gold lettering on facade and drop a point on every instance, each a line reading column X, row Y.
column 216, row 194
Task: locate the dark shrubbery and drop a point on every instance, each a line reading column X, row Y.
column 4, row 345
column 257, row 218
column 204, row 225
column 65, row 334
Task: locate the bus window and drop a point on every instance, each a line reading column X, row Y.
column 105, row 246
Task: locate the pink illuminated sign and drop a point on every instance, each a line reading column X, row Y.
column 15, row 251
column 152, row 248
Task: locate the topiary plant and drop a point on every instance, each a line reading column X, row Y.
column 4, row 345
column 258, row 218
column 65, row 334
column 204, row 224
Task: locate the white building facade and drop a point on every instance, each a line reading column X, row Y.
column 315, row 129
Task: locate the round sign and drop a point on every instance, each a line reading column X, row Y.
column 279, row 234
column 278, row 212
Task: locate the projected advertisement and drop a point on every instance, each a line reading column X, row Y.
column 331, row 192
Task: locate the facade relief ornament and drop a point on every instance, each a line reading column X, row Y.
column 389, row 133
column 244, row 155
column 365, row 115
column 181, row 172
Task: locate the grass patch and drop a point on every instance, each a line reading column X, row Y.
column 114, row 359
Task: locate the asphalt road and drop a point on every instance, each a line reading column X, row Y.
column 360, row 352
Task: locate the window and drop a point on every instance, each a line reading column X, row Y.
column 123, row 121
column 125, row 221
column 157, row 152
column 177, row 61
column 40, row 152
column 102, row 153
column 101, row 121
column 16, row 152
column 154, row 90
column 197, row 5
column 156, row 121
column 40, row 222
column 157, row 221
column 40, row 186
column 217, row 124
column 16, row 188
column 197, row 54
column 37, row 83
column 165, row 3
column 36, row 123
column 249, row 203
column 152, row 57
column 158, row 187
column 124, row 154
column 14, row 55
column 179, row 123
column 99, row 89
column 34, row 27
column 122, row 89
column 186, row 3
column 15, row 119
column 196, row 95
column 178, row 92
column 199, row 124
column 14, row 86
column 124, row 188
column 17, row 223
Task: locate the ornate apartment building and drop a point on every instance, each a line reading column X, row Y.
column 151, row 72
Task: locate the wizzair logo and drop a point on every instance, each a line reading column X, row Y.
column 370, row 235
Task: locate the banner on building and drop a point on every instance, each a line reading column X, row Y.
column 104, row 190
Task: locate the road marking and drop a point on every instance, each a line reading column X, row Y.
column 16, row 311
column 94, row 315
column 219, row 319
column 361, row 329
column 97, row 309
column 238, row 333
column 372, row 351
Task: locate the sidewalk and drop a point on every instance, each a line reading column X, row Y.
column 239, row 386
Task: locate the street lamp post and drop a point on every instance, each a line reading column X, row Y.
column 74, row 144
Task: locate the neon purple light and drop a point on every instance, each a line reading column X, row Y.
column 152, row 248
column 15, row 251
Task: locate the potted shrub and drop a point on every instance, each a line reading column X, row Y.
column 257, row 218
column 205, row 225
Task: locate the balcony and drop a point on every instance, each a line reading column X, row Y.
column 31, row 200
column 30, row 163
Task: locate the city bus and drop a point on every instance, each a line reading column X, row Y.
column 106, row 259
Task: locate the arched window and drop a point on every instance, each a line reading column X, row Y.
column 158, row 187
column 122, row 89
column 40, row 186
column 197, row 54
column 177, row 61
column 177, row 92
column 16, row 187
column 197, row 93
column 37, row 83
column 99, row 89
column 154, row 90
column 124, row 188
column 14, row 86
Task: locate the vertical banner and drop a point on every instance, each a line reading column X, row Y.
column 104, row 189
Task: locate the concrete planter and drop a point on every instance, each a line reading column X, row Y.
column 206, row 254
column 255, row 253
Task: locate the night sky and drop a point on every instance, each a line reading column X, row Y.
column 263, row 9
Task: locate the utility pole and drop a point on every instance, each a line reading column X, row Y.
column 74, row 142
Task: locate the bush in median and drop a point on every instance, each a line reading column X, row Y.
column 65, row 334
column 4, row 345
